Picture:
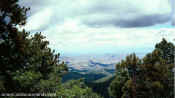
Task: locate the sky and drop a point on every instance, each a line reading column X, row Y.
column 76, row 27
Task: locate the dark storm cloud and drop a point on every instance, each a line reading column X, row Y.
column 140, row 21
column 144, row 21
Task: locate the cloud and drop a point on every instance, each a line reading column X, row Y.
column 172, row 3
column 136, row 21
column 73, row 38
column 98, row 26
column 35, row 5
column 99, row 13
column 40, row 20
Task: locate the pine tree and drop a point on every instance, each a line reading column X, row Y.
column 76, row 89
column 125, row 72
column 27, row 64
column 151, row 77
column 167, row 50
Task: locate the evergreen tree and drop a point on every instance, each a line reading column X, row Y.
column 125, row 72
column 27, row 63
column 150, row 77
column 76, row 89
column 116, row 86
column 167, row 50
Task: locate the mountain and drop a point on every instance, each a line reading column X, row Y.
column 91, row 63
column 97, row 71
column 88, row 77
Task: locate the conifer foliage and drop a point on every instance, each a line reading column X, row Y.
column 27, row 64
column 149, row 77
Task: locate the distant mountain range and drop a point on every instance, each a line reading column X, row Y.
column 91, row 63
column 91, row 68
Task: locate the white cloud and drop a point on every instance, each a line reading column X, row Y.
column 95, row 25
column 39, row 20
column 109, row 39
